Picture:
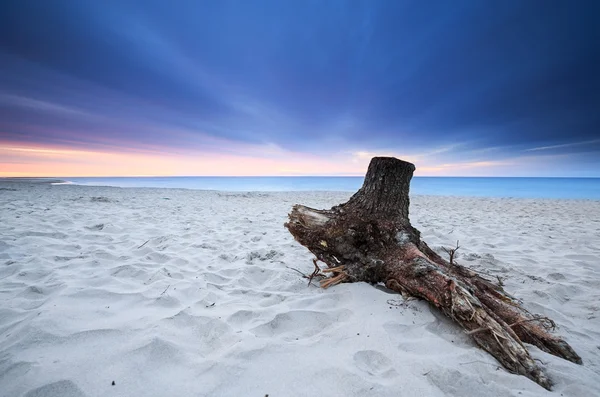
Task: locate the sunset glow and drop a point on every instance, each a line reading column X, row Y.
column 20, row 160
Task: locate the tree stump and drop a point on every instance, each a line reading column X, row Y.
column 370, row 239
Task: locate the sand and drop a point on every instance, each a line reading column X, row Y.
column 190, row 293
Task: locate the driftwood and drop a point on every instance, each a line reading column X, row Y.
column 370, row 239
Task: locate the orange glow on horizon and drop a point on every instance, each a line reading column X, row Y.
column 38, row 161
column 26, row 160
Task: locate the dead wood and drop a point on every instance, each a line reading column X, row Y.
column 370, row 238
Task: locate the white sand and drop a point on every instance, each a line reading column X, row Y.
column 187, row 293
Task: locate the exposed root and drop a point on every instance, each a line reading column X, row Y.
column 545, row 322
column 333, row 269
column 474, row 331
column 508, row 308
column 315, row 273
column 333, row 280
column 339, row 276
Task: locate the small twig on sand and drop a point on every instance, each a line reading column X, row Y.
column 451, row 252
column 143, row 244
column 296, row 270
column 478, row 362
column 500, row 281
column 339, row 275
column 165, row 290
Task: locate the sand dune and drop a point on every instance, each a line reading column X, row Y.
column 190, row 293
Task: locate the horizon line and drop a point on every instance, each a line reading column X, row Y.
column 65, row 178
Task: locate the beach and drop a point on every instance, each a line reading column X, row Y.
column 175, row 292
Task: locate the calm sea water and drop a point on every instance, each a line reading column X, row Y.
column 573, row 188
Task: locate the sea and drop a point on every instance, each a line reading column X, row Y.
column 560, row 188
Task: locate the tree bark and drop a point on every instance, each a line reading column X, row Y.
column 370, row 238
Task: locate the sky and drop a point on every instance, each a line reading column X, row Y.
column 202, row 87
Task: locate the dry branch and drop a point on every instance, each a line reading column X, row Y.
column 451, row 252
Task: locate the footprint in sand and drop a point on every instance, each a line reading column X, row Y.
column 242, row 317
column 62, row 388
column 299, row 324
column 254, row 276
column 15, row 370
column 216, row 278
column 374, row 363
column 557, row 276
column 159, row 350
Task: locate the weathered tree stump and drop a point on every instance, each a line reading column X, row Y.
column 370, row 239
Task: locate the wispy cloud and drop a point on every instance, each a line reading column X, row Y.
column 39, row 105
column 563, row 145
column 423, row 156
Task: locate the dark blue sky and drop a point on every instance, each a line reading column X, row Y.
column 504, row 82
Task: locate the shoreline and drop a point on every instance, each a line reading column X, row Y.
column 63, row 183
column 31, row 180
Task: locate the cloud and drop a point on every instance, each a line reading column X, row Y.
column 464, row 83
column 42, row 106
column 563, row 145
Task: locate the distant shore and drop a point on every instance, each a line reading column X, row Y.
column 547, row 188
column 31, row 180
